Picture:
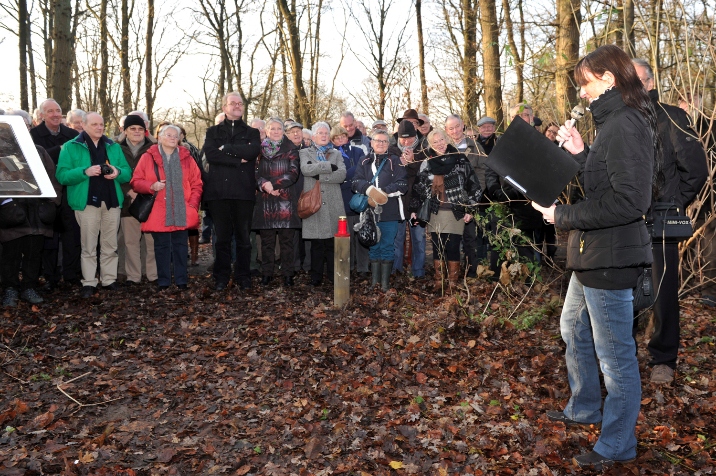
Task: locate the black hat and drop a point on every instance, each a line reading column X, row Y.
column 134, row 120
column 411, row 114
column 406, row 129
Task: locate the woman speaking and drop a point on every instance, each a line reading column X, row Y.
column 607, row 249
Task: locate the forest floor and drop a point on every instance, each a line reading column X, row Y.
column 277, row 381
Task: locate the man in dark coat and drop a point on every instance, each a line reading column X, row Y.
column 355, row 136
column 685, row 171
column 231, row 150
column 51, row 134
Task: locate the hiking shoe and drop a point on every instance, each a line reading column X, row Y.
column 10, row 298
column 111, row 287
column 31, row 296
column 87, row 292
column 560, row 416
column 662, row 374
column 594, row 460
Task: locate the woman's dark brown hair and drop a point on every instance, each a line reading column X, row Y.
column 613, row 59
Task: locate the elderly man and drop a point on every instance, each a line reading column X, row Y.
column 426, row 127
column 260, row 125
column 93, row 169
column 487, row 137
column 361, row 127
column 51, row 134
column 523, row 214
column 231, row 150
column 294, row 132
column 75, row 118
column 355, row 136
column 379, row 125
column 473, row 239
column 684, row 167
column 134, row 144
column 307, row 137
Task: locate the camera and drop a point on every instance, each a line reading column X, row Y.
column 106, row 169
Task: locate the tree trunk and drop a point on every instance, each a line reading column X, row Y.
column 148, row 90
column 469, row 66
column 629, row 45
column 104, row 62
column 569, row 18
column 22, row 39
column 31, row 64
column 124, row 57
column 284, row 81
column 294, row 39
column 491, row 60
column 48, row 26
column 654, row 39
column 517, row 59
column 61, row 83
column 421, row 58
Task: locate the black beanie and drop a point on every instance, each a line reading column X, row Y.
column 134, row 120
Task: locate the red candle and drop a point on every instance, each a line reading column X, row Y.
column 342, row 228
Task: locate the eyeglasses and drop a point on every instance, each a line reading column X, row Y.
column 166, row 136
column 234, row 104
column 552, row 131
column 380, row 141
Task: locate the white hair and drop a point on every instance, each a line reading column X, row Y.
column 424, row 117
column 320, row 125
column 37, row 114
column 307, row 131
column 262, row 122
column 348, row 114
column 48, row 100
column 76, row 113
column 19, row 112
column 121, row 121
column 270, row 120
column 219, row 118
column 88, row 114
column 164, row 129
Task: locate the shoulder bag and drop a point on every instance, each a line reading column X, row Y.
column 359, row 201
column 142, row 204
column 644, row 295
column 367, row 229
column 310, row 202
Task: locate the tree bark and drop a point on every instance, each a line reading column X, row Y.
column 569, row 18
column 124, row 56
column 148, row 90
column 31, row 65
column 491, row 60
column 22, row 42
column 517, row 58
column 421, row 58
column 629, row 45
column 654, row 38
column 61, row 82
column 294, row 53
column 104, row 102
column 469, row 58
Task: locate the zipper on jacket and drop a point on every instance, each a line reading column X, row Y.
column 581, row 243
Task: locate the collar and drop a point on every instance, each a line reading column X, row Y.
column 104, row 139
column 608, row 102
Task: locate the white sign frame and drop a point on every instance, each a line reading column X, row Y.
column 30, row 157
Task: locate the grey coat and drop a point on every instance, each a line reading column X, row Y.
column 324, row 223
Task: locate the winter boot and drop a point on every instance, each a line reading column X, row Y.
column 453, row 273
column 10, row 298
column 438, row 265
column 31, row 296
column 194, row 248
column 385, row 268
column 374, row 273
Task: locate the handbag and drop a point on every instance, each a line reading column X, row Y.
column 667, row 224
column 359, row 201
column 367, row 229
column 644, row 295
column 12, row 214
column 141, row 206
column 423, row 214
column 310, row 202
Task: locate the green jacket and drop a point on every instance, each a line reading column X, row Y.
column 75, row 158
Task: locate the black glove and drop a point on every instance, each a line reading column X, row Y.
column 334, row 167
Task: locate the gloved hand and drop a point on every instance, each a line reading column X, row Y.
column 376, row 196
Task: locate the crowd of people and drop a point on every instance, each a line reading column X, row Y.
column 420, row 180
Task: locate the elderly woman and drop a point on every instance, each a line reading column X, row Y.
column 176, row 207
column 449, row 183
column 275, row 213
column 388, row 176
column 321, row 163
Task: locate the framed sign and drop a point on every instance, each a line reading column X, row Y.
column 22, row 174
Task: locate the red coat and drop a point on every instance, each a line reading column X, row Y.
column 144, row 177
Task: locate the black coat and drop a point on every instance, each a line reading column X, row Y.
column 282, row 170
column 607, row 228
column 229, row 178
column 392, row 180
column 412, row 170
column 42, row 136
column 132, row 160
column 684, row 159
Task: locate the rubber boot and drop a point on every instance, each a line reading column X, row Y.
column 453, row 274
column 385, row 268
column 194, row 249
column 437, row 264
column 374, row 273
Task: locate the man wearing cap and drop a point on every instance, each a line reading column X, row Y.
column 134, row 144
column 487, row 138
column 294, row 132
column 379, row 125
column 412, row 157
column 355, row 136
column 474, row 242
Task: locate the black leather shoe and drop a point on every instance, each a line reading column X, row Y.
column 316, row 282
column 594, row 460
column 266, row 280
column 87, row 292
column 245, row 285
column 220, row 286
column 560, row 416
column 48, row 287
column 183, row 287
column 111, row 287
column 288, row 280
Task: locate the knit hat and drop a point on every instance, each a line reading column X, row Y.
column 406, row 129
column 134, row 120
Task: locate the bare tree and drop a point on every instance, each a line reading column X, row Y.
column 421, row 58
column 293, row 47
column 149, row 46
column 568, row 21
column 517, row 54
column 61, row 79
column 491, row 59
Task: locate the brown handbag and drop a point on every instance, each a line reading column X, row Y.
column 310, row 202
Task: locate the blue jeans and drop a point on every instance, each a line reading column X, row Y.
column 384, row 250
column 597, row 324
column 170, row 250
column 417, row 238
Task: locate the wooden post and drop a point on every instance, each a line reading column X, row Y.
column 341, row 264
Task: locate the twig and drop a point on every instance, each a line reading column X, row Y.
column 18, row 379
column 521, row 300
column 81, row 405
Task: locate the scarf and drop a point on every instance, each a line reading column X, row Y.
column 269, row 148
column 321, row 151
column 441, row 165
column 411, row 146
column 176, row 207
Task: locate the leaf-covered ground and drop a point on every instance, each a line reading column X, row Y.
column 276, row 381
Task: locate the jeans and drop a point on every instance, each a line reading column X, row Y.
column 597, row 324
column 170, row 250
column 417, row 238
column 384, row 250
column 232, row 218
